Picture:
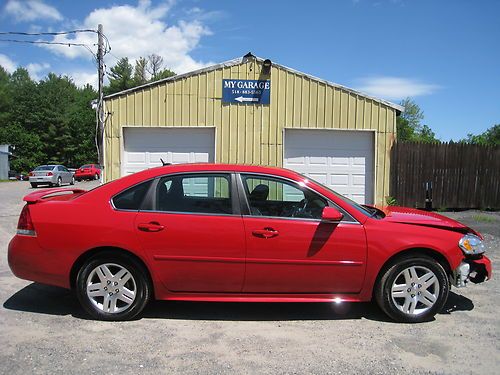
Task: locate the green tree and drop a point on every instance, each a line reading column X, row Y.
column 409, row 127
column 140, row 74
column 120, row 77
column 490, row 137
column 165, row 73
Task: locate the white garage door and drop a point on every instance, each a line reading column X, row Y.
column 341, row 160
column 143, row 147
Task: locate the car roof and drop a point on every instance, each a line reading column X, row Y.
column 211, row 167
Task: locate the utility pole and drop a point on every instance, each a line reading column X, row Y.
column 100, row 104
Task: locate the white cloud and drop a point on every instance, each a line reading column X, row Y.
column 8, row 64
column 37, row 70
column 81, row 78
column 395, row 87
column 136, row 31
column 30, row 10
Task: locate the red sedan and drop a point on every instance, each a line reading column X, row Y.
column 212, row 232
column 88, row 172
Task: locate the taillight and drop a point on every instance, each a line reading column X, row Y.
column 49, row 174
column 31, row 174
column 25, row 225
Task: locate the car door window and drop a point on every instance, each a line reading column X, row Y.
column 269, row 196
column 201, row 193
column 132, row 198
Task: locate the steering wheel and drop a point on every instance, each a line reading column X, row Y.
column 300, row 208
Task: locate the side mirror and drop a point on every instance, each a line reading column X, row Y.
column 331, row 215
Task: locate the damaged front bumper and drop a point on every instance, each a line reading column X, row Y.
column 476, row 270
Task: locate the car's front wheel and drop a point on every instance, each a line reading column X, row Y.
column 34, row 185
column 413, row 289
column 113, row 287
column 72, row 182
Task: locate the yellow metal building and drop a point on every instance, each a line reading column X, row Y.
column 329, row 132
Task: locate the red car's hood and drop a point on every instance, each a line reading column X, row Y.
column 418, row 217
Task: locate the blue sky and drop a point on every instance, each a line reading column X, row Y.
column 443, row 54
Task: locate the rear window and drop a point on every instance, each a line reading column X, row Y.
column 132, row 198
column 44, row 168
column 86, row 166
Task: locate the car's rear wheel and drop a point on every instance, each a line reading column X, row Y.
column 34, row 185
column 113, row 287
column 413, row 289
column 96, row 176
column 59, row 182
column 72, row 180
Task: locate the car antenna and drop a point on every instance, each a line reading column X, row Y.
column 164, row 164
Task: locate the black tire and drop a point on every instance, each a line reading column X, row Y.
column 59, row 182
column 72, row 182
column 34, row 185
column 141, row 283
column 96, row 176
column 393, row 273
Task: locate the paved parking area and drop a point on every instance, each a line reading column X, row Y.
column 43, row 330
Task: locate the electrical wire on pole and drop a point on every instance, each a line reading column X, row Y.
column 100, row 105
column 103, row 48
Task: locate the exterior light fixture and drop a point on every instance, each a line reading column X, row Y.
column 266, row 66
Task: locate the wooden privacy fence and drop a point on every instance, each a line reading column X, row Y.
column 451, row 175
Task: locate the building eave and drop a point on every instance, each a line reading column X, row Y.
column 226, row 64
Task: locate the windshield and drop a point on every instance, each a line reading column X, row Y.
column 368, row 211
column 44, row 168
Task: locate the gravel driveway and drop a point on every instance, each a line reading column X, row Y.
column 43, row 330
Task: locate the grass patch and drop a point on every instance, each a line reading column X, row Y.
column 484, row 218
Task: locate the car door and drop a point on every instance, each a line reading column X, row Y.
column 66, row 174
column 194, row 236
column 289, row 248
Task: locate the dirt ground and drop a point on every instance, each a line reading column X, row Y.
column 43, row 330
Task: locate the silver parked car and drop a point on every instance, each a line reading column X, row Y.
column 52, row 175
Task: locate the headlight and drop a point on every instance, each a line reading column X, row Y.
column 471, row 244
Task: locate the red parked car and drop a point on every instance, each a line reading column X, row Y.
column 212, row 232
column 88, row 172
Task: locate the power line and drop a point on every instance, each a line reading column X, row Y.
column 48, row 33
column 69, row 44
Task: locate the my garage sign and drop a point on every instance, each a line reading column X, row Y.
column 246, row 91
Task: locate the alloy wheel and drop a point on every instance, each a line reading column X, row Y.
column 415, row 290
column 111, row 288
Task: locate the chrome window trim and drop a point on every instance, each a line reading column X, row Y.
column 234, row 174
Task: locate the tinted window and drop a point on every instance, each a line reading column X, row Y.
column 207, row 193
column 44, row 168
column 131, row 199
column 268, row 196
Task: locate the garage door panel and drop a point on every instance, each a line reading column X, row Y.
column 342, row 160
column 136, row 158
column 144, row 147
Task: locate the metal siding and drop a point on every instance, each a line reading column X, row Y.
column 251, row 134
